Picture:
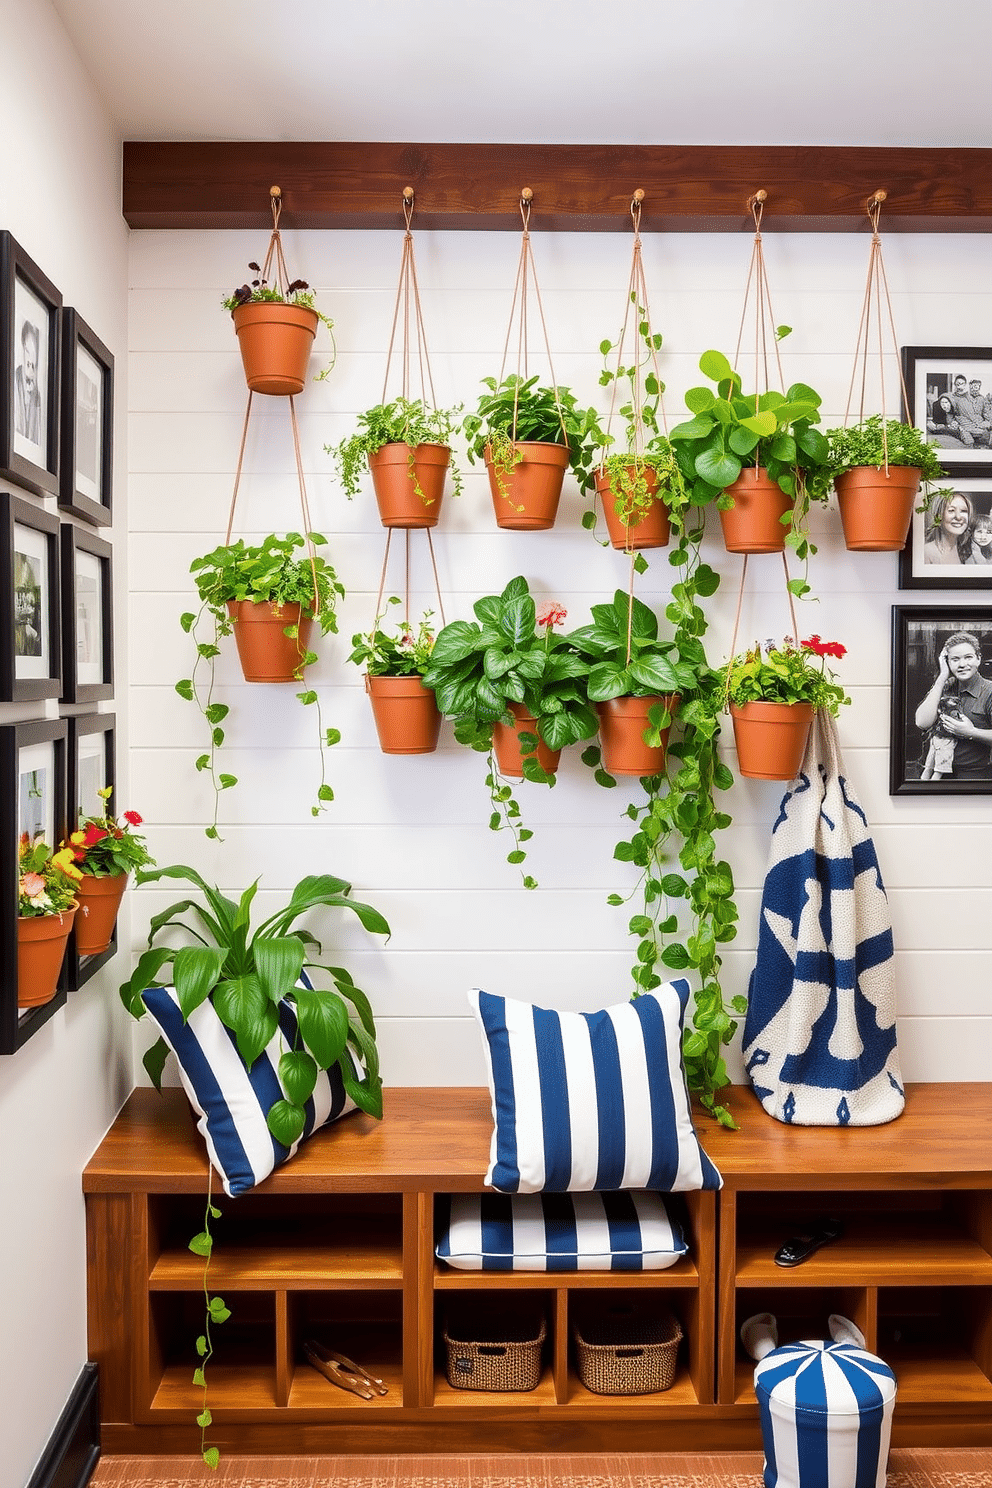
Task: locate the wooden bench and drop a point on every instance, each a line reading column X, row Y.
column 339, row 1244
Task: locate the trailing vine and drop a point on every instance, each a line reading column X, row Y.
column 216, row 1312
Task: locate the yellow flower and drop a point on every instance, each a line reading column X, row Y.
column 63, row 860
column 78, row 838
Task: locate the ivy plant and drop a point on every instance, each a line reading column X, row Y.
column 519, row 410
column 404, row 421
column 268, row 572
column 873, row 442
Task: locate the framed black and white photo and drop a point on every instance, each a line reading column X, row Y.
column 30, row 348
column 950, row 544
column 949, row 389
column 30, row 626
column 941, row 723
column 87, row 616
column 86, row 455
column 92, row 763
column 32, row 804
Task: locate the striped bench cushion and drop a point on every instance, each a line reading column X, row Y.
column 591, row 1100
column 558, row 1232
column 232, row 1102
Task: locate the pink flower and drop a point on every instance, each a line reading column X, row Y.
column 552, row 614
column 133, row 818
column 32, row 884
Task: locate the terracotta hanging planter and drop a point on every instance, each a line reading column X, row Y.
column 267, row 654
column 406, row 714
column 275, row 341
column 650, row 529
column 99, row 903
column 526, row 496
column 409, row 492
column 876, row 506
column 41, row 942
column 506, row 744
column 623, row 722
column 752, row 524
column 771, row 738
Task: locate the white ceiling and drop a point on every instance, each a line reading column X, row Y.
column 832, row 72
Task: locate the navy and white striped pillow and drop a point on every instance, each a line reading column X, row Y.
column 232, row 1101
column 591, row 1100
column 558, row 1232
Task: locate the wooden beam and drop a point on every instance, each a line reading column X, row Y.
column 688, row 188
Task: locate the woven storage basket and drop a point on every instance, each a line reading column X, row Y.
column 622, row 1353
column 500, row 1354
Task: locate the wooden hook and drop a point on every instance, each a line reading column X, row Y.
column 638, row 196
column 758, row 199
column 527, row 195
column 878, row 198
column 275, row 192
column 408, row 193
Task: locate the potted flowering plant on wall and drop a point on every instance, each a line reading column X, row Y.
column 46, row 908
column 268, row 598
column 105, row 851
column 772, row 694
column 405, row 711
column 406, row 445
column 528, row 436
column 516, row 692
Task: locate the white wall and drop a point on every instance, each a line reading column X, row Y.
column 411, row 833
column 60, row 197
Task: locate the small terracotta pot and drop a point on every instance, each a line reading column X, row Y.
column 752, row 525
column 622, row 725
column 650, row 530
column 99, row 902
column 506, row 745
column 266, row 653
column 525, row 497
column 41, row 941
column 406, row 714
column 396, row 481
column 275, row 342
column 771, row 738
column 876, row 507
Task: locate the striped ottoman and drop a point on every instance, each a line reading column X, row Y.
column 826, row 1416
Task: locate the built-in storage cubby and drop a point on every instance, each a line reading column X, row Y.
column 339, row 1246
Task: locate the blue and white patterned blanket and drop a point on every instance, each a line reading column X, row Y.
column 820, row 1035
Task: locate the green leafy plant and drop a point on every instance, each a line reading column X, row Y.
column 786, row 674
column 646, row 448
column 521, row 410
column 865, row 444
column 246, row 975
column 103, row 846
column 731, row 431
column 407, row 654
column 625, row 656
column 46, row 879
column 270, row 572
column 511, row 654
column 404, row 421
column 216, row 1312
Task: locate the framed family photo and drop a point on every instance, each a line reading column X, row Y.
column 30, row 347
column 941, row 720
column 30, row 642
column 949, row 390
column 86, row 456
column 32, row 804
column 950, row 544
column 87, row 616
column 91, row 768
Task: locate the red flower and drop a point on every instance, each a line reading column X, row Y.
column 551, row 614
column 94, row 834
column 825, row 648
column 133, row 818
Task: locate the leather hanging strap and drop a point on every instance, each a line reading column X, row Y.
column 876, row 289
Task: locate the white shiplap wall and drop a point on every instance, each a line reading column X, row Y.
column 411, row 833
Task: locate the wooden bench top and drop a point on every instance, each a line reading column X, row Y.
column 437, row 1139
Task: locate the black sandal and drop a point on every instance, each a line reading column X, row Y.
column 801, row 1247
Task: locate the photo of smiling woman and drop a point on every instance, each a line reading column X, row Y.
column 949, row 525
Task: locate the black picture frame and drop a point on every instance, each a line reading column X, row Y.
column 30, row 619
column 87, row 616
column 930, row 371
column 27, row 751
column 916, row 571
column 86, row 456
column 919, row 633
column 30, row 325
column 92, row 758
